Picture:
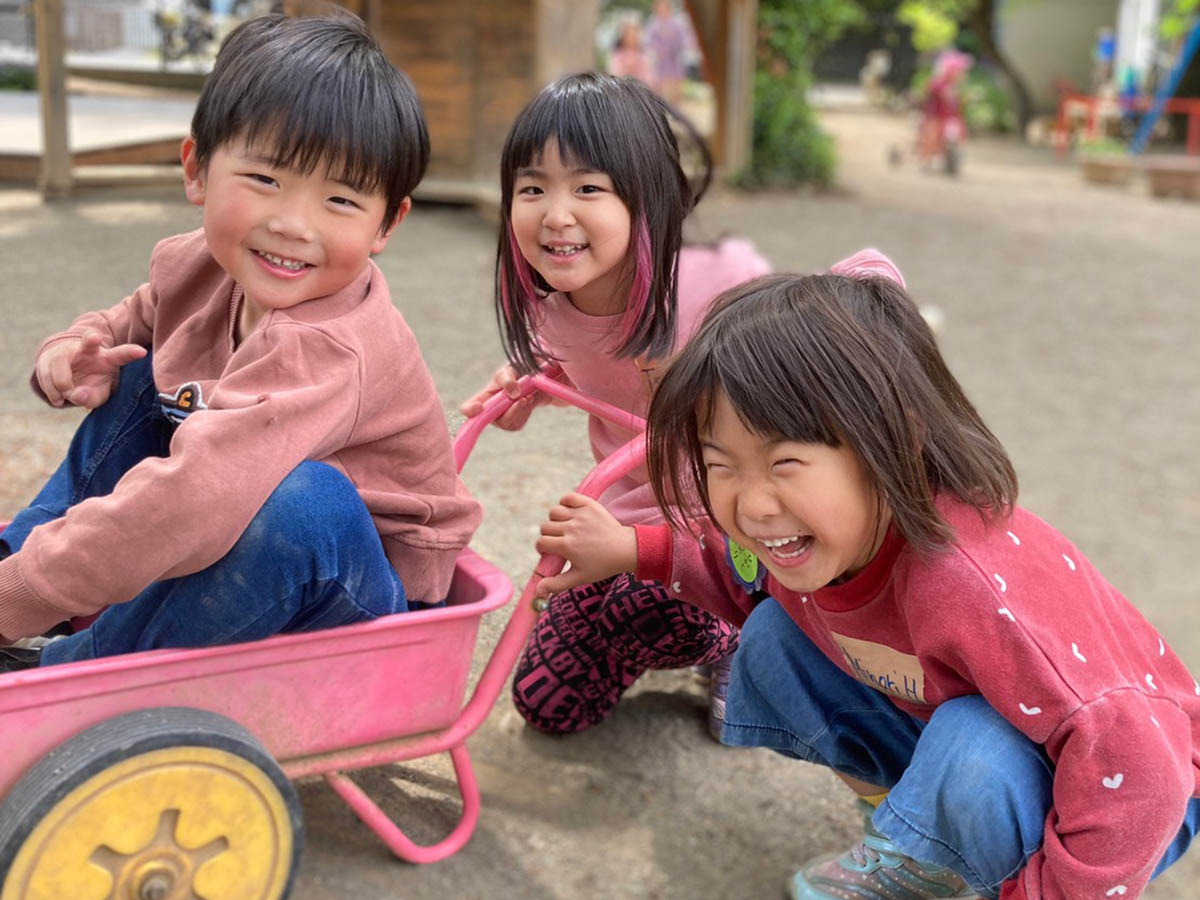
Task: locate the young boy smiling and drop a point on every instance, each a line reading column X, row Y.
column 265, row 451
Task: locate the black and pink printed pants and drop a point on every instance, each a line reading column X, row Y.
column 596, row 640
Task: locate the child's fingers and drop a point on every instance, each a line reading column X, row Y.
column 61, row 377
column 560, row 513
column 473, row 405
column 122, row 354
column 551, row 543
column 81, row 396
column 516, row 416
column 53, row 396
column 574, row 501
column 506, row 380
column 560, row 583
column 553, row 528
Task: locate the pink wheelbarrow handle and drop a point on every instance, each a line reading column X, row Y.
column 504, row 655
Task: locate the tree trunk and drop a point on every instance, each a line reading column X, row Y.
column 982, row 21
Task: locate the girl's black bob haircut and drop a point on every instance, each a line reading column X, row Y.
column 832, row 360
column 620, row 127
column 315, row 92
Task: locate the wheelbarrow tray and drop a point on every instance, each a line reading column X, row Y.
column 300, row 694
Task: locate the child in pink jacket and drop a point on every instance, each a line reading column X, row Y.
column 265, row 451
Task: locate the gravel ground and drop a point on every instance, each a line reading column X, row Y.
column 1070, row 317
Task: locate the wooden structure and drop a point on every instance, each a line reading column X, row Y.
column 475, row 64
column 55, row 178
column 728, row 33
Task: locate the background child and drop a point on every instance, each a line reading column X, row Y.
column 266, row 451
column 628, row 55
column 593, row 204
column 1023, row 730
column 942, row 128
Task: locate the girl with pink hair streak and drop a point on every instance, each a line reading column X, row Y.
column 591, row 277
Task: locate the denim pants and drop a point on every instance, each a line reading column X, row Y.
column 967, row 789
column 310, row 558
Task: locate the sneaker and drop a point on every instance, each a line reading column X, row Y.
column 718, row 688
column 875, row 870
column 15, row 659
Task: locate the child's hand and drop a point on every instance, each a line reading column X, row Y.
column 82, row 372
column 518, row 414
column 584, row 533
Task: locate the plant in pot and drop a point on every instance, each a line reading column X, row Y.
column 1105, row 160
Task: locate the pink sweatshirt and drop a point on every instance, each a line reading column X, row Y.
column 583, row 345
column 1015, row 612
column 338, row 379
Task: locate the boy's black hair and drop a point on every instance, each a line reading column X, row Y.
column 831, row 360
column 619, row 127
column 316, row 92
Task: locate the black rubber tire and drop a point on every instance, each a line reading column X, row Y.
column 92, row 751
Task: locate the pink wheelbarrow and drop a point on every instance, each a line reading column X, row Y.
column 166, row 774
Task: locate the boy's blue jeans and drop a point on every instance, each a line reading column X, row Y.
column 311, row 558
column 967, row 790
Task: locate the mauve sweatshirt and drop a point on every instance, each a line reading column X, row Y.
column 338, row 379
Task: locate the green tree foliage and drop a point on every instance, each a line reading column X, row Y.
column 932, row 29
column 1178, row 16
column 787, row 146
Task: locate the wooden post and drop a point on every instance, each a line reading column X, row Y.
column 372, row 14
column 738, row 111
column 728, row 33
column 566, row 36
column 52, row 87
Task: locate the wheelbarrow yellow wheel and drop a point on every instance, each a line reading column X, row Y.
column 162, row 804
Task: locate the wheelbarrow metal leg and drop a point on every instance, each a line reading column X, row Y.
column 391, row 834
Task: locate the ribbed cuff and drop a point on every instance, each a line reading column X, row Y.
column 425, row 572
column 17, row 600
column 654, row 553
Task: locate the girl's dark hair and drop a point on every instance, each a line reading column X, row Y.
column 316, row 91
column 830, row 360
column 619, row 127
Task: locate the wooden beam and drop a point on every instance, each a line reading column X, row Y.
column 738, row 110
column 728, row 32
column 372, row 14
column 52, row 88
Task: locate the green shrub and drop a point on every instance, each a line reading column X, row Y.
column 1101, row 146
column 788, row 147
column 17, row 78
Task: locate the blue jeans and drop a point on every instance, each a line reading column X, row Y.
column 311, row 557
column 967, row 789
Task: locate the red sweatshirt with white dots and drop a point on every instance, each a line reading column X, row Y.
column 1014, row 612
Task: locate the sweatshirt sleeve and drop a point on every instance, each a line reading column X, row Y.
column 290, row 394
column 1121, row 788
column 1087, row 678
column 693, row 568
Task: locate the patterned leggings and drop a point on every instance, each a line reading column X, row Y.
column 594, row 641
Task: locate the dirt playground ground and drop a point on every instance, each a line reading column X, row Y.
column 1071, row 316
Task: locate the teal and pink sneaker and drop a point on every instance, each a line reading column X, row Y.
column 875, row 870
